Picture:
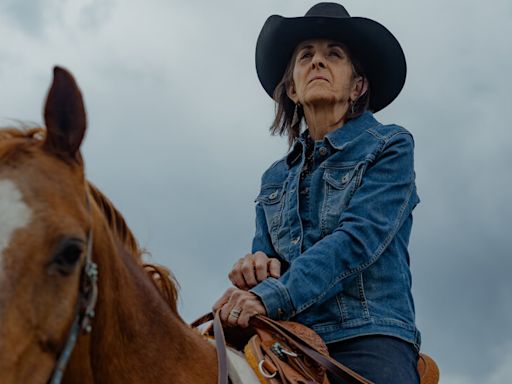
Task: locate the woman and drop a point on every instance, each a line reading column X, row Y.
column 333, row 217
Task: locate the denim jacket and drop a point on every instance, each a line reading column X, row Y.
column 346, row 264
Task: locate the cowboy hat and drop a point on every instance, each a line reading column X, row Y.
column 374, row 46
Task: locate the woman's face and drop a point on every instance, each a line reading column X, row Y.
column 323, row 73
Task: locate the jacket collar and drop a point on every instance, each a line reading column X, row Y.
column 337, row 138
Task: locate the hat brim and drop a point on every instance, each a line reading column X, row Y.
column 378, row 51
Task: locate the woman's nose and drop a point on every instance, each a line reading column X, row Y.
column 318, row 61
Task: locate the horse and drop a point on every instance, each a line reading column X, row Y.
column 52, row 220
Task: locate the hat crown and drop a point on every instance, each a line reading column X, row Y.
column 328, row 10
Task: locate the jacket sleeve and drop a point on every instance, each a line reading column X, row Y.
column 375, row 213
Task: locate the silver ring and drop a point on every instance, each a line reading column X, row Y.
column 235, row 313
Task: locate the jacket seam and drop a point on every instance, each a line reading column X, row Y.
column 384, row 243
column 372, row 260
column 401, row 132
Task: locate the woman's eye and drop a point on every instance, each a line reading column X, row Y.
column 306, row 55
column 336, row 54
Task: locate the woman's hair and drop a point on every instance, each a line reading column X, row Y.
column 284, row 122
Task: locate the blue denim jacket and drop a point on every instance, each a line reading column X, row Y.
column 346, row 265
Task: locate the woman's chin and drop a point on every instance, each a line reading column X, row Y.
column 319, row 98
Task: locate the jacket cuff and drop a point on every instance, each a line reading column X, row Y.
column 275, row 298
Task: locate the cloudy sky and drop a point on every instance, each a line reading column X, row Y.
column 178, row 138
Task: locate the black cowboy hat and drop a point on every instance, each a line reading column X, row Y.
column 373, row 45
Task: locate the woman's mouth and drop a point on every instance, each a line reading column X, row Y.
column 318, row 78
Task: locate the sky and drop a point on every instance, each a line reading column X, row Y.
column 178, row 139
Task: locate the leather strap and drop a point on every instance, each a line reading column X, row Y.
column 203, row 319
column 333, row 366
column 220, row 344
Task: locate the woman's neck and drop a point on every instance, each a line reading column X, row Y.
column 322, row 119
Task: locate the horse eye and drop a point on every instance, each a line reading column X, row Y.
column 66, row 257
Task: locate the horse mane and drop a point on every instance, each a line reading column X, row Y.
column 115, row 220
column 7, row 133
column 19, row 138
column 161, row 277
column 24, row 137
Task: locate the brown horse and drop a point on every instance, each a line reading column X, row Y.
column 48, row 212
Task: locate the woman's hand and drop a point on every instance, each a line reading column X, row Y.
column 252, row 269
column 238, row 306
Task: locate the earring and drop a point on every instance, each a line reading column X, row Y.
column 352, row 106
column 296, row 118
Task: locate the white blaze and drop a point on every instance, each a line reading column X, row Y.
column 14, row 214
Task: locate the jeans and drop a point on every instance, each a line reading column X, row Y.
column 378, row 358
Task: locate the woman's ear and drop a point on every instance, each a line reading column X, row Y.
column 292, row 93
column 360, row 87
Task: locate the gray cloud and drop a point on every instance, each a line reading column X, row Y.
column 95, row 14
column 39, row 18
column 26, row 14
column 178, row 138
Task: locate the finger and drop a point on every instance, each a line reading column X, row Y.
column 224, row 304
column 251, row 306
column 233, row 309
column 234, row 316
column 236, row 277
column 274, row 267
column 245, row 316
column 248, row 272
column 222, row 300
column 236, row 313
column 225, row 312
column 218, row 305
column 260, row 266
column 260, row 255
column 243, row 320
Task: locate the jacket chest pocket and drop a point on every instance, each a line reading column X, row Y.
column 339, row 184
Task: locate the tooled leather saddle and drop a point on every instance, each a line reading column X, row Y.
column 286, row 352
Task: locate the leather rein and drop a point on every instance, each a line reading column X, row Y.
column 84, row 313
column 332, row 366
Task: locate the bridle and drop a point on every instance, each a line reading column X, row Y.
column 87, row 297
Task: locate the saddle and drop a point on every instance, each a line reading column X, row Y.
column 286, row 352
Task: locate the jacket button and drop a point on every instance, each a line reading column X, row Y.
column 323, row 151
column 344, row 179
column 296, row 240
column 273, row 195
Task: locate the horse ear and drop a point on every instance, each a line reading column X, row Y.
column 64, row 116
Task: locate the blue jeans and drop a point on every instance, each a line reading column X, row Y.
column 378, row 358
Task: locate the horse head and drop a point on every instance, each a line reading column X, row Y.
column 49, row 214
column 44, row 228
